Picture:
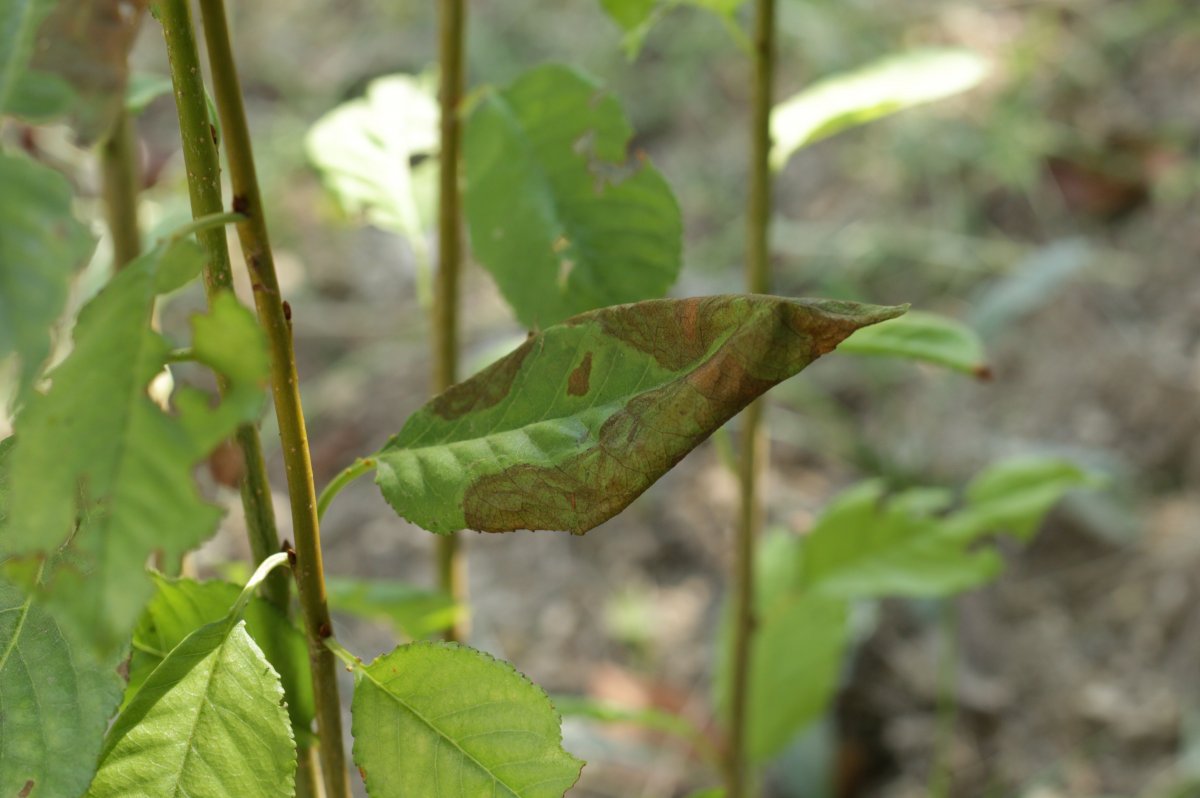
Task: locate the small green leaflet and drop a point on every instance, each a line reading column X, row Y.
column 209, row 722
column 868, row 544
column 923, row 336
column 879, row 89
column 556, row 213
column 41, row 246
column 576, row 423
column 97, row 462
column 638, row 17
column 446, row 720
column 55, row 701
column 180, row 606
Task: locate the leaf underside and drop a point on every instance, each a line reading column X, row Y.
column 575, row 424
column 555, row 213
column 446, row 720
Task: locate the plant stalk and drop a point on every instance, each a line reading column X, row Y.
column 204, row 188
column 754, row 444
column 120, row 175
column 285, row 387
column 451, row 560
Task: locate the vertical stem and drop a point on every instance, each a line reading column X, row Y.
column 451, row 560
column 753, row 448
column 285, row 387
column 204, row 189
column 119, row 165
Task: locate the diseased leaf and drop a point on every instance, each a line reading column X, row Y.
column 556, row 214
column 41, row 246
column 796, row 657
column 923, row 336
column 84, row 45
column 55, row 700
column 366, row 149
column 575, row 424
column 180, row 606
column 867, row 544
column 412, row 612
column 209, row 722
column 879, row 89
column 96, row 461
column 443, row 719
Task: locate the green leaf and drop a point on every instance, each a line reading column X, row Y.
column 6, row 446
column 923, row 336
column 575, row 424
column 795, row 660
column 209, row 721
column 556, row 214
column 97, row 462
column 412, row 612
column 144, row 88
column 180, row 606
column 82, row 45
column 879, row 89
column 18, row 34
column 41, row 246
column 637, row 17
column 366, row 148
column 646, row 717
column 866, row 544
column 443, row 719
column 55, row 700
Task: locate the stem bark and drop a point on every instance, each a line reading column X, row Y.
column 120, row 170
column 451, row 560
column 754, row 444
column 285, row 388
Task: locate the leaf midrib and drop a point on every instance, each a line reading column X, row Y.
column 440, row 734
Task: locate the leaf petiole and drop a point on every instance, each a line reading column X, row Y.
column 352, row 472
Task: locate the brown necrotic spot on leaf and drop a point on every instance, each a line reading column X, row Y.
column 484, row 390
column 577, row 382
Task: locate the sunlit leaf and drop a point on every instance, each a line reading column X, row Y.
column 557, row 213
column 575, row 424
column 97, row 462
column 367, row 148
column 209, row 721
column 412, row 612
column 55, row 700
column 443, row 719
column 181, row 606
column 923, row 336
column 879, row 89
column 41, row 246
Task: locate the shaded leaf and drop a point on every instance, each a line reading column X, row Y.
column 98, row 462
column 556, row 214
column 209, row 722
column 180, row 606
column 795, row 660
column 85, row 45
column 879, row 89
column 923, row 336
column 55, row 700
column 366, row 150
column 18, row 34
column 41, row 246
column 443, row 719
column 412, row 612
column 646, row 717
column 144, row 88
column 867, row 544
column 570, row 428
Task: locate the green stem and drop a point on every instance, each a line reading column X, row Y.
column 209, row 218
column 285, row 387
column 451, row 560
column 753, row 454
column 940, row 772
column 119, row 166
column 352, row 472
